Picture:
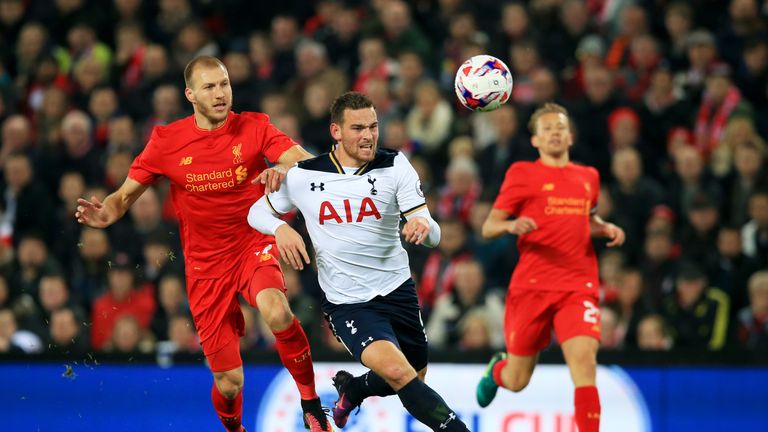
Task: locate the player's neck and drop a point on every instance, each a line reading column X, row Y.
column 202, row 122
column 346, row 160
column 558, row 161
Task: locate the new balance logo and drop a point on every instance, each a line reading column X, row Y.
column 373, row 187
column 450, row 418
column 365, row 342
column 186, row 160
column 351, row 325
column 321, row 186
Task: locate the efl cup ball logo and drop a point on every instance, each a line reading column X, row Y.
column 483, row 83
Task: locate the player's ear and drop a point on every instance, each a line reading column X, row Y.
column 336, row 131
column 190, row 96
column 535, row 141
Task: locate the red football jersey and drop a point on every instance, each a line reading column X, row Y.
column 558, row 255
column 210, row 174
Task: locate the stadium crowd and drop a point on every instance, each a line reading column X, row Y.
column 669, row 101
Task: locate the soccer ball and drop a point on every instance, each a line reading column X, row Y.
column 483, row 83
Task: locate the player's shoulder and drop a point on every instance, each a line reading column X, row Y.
column 385, row 158
column 324, row 162
column 253, row 117
column 586, row 170
column 521, row 167
column 173, row 130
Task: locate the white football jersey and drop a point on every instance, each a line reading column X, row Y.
column 353, row 217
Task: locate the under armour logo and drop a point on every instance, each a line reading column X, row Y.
column 351, row 325
column 451, row 417
column 373, row 188
column 321, row 186
column 365, row 342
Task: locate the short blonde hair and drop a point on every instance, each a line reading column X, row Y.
column 758, row 280
column 547, row 108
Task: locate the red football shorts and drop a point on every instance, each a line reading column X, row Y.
column 216, row 310
column 531, row 315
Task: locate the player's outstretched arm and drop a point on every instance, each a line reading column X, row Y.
column 498, row 223
column 98, row 214
column 600, row 228
column 273, row 177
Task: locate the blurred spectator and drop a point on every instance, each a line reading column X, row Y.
column 511, row 145
column 312, row 67
column 374, row 64
column 696, row 312
column 497, row 256
column 702, row 54
column 591, row 145
column 122, row 135
column 102, row 106
column 130, row 49
column 124, row 297
column 399, row 32
column 631, row 305
column 166, row 107
column 257, row 334
column 476, row 332
column 633, row 195
column 192, row 40
column 181, row 336
column 752, row 77
column 55, row 105
column 79, row 153
column 744, row 22
column 33, row 43
column 88, row 75
column 733, row 267
column 439, row 270
column 246, row 88
column 67, row 333
column 524, row 61
column 88, row 270
column 659, row 266
column 14, row 339
column 574, row 22
column 461, row 191
column 284, row 36
column 171, row 16
column 609, row 329
column 515, row 26
column 156, row 70
column 698, row 237
column 33, row 261
column 84, row 44
column 395, row 137
column 721, row 102
column 431, row 118
column 754, row 234
column 632, row 24
column 644, row 58
column 343, row 39
column 663, row 107
column 128, row 337
column 410, row 73
column 470, row 295
column 172, row 301
column 678, row 21
column 17, row 138
column 652, row 334
column 12, row 14
column 691, row 179
column 589, row 54
column 752, row 320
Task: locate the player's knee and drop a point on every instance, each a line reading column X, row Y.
column 278, row 318
column 229, row 384
column 397, row 375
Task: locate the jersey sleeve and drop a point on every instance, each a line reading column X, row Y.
column 280, row 200
column 595, row 189
column 512, row 192
column 145, row 168
column 410, row 196
column 272, row 141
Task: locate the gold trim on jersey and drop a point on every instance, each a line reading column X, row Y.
column 414, row 210
column 336, row 163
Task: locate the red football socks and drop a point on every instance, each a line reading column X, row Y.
column 293, row 347
column 587, row 402
column 497, row 368
column 230, row 411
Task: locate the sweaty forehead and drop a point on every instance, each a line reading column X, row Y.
column 204, row 74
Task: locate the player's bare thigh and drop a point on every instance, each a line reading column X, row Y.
column 384, row 358
column 581, row 356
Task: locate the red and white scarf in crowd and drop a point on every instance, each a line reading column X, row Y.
column 710, row 127
column 458, row 206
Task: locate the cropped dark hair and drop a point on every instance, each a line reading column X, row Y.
column 349, row 100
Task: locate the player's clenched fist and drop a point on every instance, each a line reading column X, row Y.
column 522, row 225
column 291, row 247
